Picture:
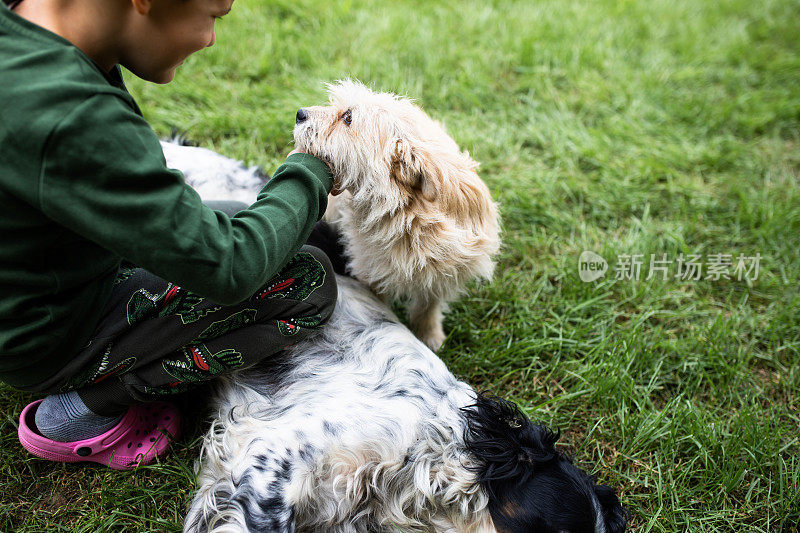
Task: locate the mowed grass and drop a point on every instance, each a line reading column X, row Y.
column 620, row 127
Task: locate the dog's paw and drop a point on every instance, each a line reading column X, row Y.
column 433, row 339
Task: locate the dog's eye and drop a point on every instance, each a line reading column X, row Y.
column 347, row 117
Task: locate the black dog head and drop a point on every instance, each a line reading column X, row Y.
column 532, row 487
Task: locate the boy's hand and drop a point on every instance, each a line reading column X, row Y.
column 336, row 190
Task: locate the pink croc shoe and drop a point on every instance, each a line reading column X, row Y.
column 144, row 432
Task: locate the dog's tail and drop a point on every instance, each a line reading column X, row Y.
column 249, row 495
column 214, row 510
column 245, row 504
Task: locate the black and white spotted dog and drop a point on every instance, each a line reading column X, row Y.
column 363, row 429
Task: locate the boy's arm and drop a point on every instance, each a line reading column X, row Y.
column 110, row 184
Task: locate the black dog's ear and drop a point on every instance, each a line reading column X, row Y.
column 506, row 444
column 614, row 515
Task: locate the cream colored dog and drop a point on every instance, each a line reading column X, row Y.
column 417, row 221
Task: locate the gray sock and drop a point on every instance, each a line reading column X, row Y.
column 65, row 418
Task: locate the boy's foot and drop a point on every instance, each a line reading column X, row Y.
column 65, row 418
column 143, row 433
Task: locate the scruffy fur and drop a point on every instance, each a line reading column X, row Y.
column 362, row 429
column 417, row 221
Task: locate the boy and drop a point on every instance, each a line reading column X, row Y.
column 83, row 186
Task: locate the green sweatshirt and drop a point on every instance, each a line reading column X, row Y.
column 84, row 183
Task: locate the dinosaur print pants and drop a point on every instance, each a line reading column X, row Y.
column 158, row 339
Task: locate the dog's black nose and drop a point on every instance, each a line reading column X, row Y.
column 302, row 115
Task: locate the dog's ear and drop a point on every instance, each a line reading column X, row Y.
column 506, row 444
column 440, row 174
column 614, row 514
column 412, row 167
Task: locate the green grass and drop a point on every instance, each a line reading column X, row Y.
column 648, row 127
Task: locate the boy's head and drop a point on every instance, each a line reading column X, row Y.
column 148, row 37
column 158, row 35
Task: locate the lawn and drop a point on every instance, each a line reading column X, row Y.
column 633, row 129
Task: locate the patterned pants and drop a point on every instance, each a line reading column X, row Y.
column 157, row 339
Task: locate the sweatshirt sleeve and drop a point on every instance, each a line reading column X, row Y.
column 104, row 177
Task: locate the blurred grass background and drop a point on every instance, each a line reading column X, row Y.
column 621, row 127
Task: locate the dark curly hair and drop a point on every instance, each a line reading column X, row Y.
column 533, row 487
